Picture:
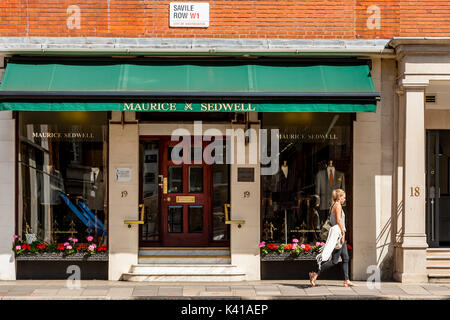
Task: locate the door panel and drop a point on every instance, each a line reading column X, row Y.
column 149, row 151
column 438, row 188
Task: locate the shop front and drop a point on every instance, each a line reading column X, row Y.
column 176, row 171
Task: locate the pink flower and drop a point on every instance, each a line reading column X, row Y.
column 262, row 244
column 94, row 245
column 318, row 243
column 294, row 240
column 90, row 238
column 302, row 246
column 322, row 243
column 66, row 244
column 294, row 246
column 69, row 247
column 70, row 239
column 91, row 247
column 18, row 247
column 16, row 236
column 75, row 240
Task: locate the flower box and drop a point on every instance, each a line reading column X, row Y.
column 286, row 256
column 59, row 256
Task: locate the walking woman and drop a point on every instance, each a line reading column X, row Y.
column 337, row 217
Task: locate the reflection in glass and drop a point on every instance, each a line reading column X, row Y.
column 62, row 176
column 315, row 158
column 220, row 197
column 196, row 179
column 149, row 167
column 195, row 219
column 175, row 179
column 196, row 154
column 175, row 219
column 175, row 153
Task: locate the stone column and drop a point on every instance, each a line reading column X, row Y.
column 123, row 153
column 411, row 249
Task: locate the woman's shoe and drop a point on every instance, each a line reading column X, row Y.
column 312, row 278
column 349, row 284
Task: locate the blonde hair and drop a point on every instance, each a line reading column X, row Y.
column 337, row 193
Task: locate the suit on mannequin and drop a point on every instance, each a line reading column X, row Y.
column 285, row 187
column 93, row 189
column 326, row 181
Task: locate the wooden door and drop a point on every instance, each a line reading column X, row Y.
column 185, row 196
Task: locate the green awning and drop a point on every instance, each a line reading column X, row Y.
column 268, row 87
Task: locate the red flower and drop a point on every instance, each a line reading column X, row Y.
column 272, row 246
column 349, row 247
column 61, row 247
column 307, row 247
column 288, row 246
column 101, row 248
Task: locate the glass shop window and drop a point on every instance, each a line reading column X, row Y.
column 315, row 157
column 62, row 176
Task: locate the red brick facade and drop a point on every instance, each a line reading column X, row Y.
column 301, row 19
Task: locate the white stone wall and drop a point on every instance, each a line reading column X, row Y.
column 123, row 241
column 245, row 252
column 7, row 195
column 7, row 190
column 372, row 179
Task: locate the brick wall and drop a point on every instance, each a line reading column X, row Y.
column 228, row 19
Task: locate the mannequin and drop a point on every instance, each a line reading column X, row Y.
column 285, row 187
column 327, row 180
column 93, row 189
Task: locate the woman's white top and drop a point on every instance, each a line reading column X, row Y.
column 333, row 220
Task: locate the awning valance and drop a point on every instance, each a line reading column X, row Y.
column 208, row 87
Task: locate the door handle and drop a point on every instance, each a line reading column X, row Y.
column 227, row 217
column 141, row 217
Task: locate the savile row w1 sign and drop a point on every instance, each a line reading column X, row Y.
column 189, row 14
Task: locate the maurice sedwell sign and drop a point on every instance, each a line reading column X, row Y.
column 195, row 107
column 189, row 14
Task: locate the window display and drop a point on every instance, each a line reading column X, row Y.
column 62, row 176
column 315, row 157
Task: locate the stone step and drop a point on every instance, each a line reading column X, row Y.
column 184, row 259
column 438, row 266
column 438, row 252
column 184, row 272
column 438, row 262
column 185, row 269
column 438, row 270
column 182, row 278
column 441, row 257
column 439, row 278
column 169, row 251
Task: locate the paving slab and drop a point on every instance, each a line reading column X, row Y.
column 216, row 294
column 218, row 289
column 94, row 292
column 170, row 291
column 66, row 292
column 414, row 290
column 316, row 291
column 193, row 290
column 244, row 293
column 45, row 292
column 120, row 292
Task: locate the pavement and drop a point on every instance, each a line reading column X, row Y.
column 246, row 290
